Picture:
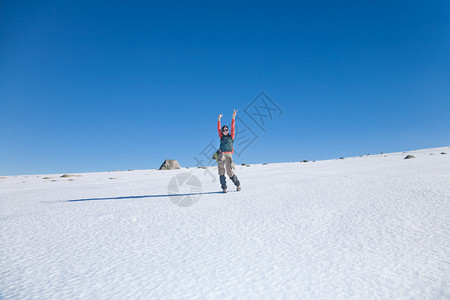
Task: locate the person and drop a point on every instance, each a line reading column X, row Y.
column 225, row 154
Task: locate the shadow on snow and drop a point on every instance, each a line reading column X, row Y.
column 144, row 196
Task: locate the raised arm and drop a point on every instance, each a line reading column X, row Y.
column 232, row 124
column 219, row 128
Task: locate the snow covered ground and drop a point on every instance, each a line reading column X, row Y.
column 366, row 227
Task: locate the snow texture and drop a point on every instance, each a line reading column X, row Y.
column 370, row 227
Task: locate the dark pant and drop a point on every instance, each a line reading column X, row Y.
column 233, row 178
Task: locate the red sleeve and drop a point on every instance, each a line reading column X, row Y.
column 219, row 129
column 232, row 128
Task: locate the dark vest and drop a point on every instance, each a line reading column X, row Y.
column 226, row 143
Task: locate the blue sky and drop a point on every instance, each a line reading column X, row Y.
column 107, row 85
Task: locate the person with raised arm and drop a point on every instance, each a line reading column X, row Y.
column 224, row 155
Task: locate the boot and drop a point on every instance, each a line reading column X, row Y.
column 223, row 182
column 236, row 182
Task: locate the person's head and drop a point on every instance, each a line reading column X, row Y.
column 225, row 129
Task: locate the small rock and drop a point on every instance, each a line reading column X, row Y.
column 112, row 178
column 443, row 153
column 71, row 179
column 170, row 164
column 304, row 160
column 53, row 180
column 341, row 158
column 265, row 164
column 67, row 175
column 409, row 156
column 47, row 178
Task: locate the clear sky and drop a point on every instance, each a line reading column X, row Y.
column 107, row 85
